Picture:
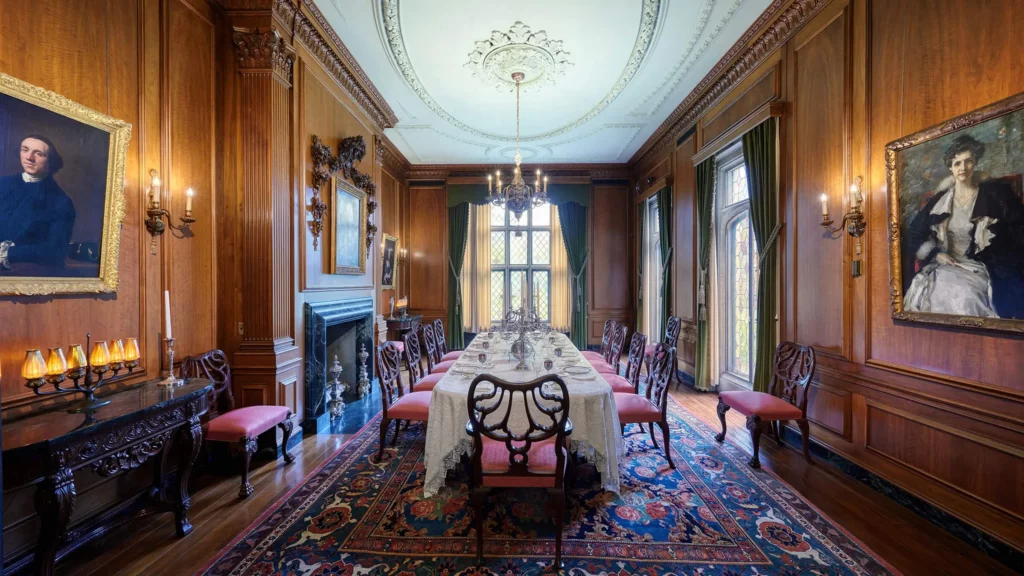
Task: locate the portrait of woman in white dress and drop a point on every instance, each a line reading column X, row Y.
column 963, row 251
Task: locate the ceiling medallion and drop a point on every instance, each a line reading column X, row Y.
column 533, row 54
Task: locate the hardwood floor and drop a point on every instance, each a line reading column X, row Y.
column 148, row 546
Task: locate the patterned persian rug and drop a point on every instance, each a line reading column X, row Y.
column 713, row 515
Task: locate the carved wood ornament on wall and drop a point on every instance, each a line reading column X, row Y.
column 350, row 151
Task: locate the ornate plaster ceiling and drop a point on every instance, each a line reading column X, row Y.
column 601, row 75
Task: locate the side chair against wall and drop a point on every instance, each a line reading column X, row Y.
column 532, row 454
column 786, row 399
column 442, row 343
column 241, row 426
column 631, row 382
column 610, row 365
column 419, row 379
column 396, row 403
column 434, row 363
column 652, row 406
column 606, row 340
column 672, row 328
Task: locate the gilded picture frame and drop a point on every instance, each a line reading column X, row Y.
column 925, row 173
column 348, row 229
column 389, row 262
column 100, row 273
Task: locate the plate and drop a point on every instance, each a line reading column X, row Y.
column 577, row 370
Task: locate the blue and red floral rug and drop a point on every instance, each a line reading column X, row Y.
column 713, row 515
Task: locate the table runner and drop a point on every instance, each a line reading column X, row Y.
column 596, row 432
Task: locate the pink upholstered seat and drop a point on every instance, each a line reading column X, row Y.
column 766, row 406
column 619, row 384
column 634, row 408
column 412, row 406
column 592, row 356
column 427, row 383
column 649, row 349
column 453, row 355
column 442, row 367
column 398, row 344
column 542, row 460
column 250, row 421
column 605, row 369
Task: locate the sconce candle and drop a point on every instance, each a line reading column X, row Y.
column 853, row 221
column 34, row 369
column 155, row 214
column 188, row 201
column 824, row 205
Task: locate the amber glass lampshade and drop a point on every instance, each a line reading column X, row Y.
column 131, row 349
column 34, row 369
column 76, row 357
column 100, row 355
column 116, row 351
column 55, row 363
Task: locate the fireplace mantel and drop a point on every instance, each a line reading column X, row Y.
column 318, row 317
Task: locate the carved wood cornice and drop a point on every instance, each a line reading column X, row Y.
column 390, row 158
column 743, row 58
column 264, row 50
column 335, row 58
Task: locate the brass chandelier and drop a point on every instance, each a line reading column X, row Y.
column 517, row 196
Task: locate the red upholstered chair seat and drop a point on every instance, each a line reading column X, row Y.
column 412, row 406
column 452, row 356
column 649, row 349
column 619, row 384
column 442, row 367
column 427, row 383
column 250, row 421
column 592, row 356
column 766, row 406
column 542, row 460
column 398, row 344
column 634, row 408
column 606, row 369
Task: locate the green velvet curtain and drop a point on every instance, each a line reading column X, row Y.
column 458, row 230
column 664, row 200
column 573, row 217
column 760, row 146
column 641, row 215
column 705, row 203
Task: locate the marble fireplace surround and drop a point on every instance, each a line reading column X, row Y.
column 318, row 318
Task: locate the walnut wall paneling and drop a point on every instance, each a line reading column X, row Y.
column 610, row 260
column 428, row 251
column 684, row 250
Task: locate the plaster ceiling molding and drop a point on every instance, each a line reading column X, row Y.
column 390, row 20
column 605, row 141
column 403, row 146
column 424, row 137
column 520, row 49
column 688, row 58
column 528, row 154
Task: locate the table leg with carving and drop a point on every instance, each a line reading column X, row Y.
column 55, row 500
column 190, row 436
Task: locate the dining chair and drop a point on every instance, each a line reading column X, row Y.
column 238, row 427
column 606, row 340
column 610, row 365
column 434, row 363
column 419, row 379
column 672, row 328
column 631, row 382
column 531, row 455
column 442, row 343
column 792, row 369
column 397, row 404
column 652, row 406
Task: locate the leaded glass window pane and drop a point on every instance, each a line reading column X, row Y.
column 542, row 215
column 518, row 248
column 497, row 216
column 523, row 221
column 497, row 294
column 738, row 184
column 498, row 248
column 739, row 235
column 541, row 284
column 542, row 247
column 516, row 285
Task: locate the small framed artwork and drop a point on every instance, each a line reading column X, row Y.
column 956, row 220
column 348, row 251
column 62, row 174
column 388, row 268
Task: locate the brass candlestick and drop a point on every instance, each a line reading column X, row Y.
column 168, row 371
column 155, row 214
column 853, row 221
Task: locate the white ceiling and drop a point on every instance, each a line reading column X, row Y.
column 610, row 71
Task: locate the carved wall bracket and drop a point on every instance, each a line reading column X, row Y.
column 350, row 151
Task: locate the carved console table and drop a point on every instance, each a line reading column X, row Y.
column 399, row 325
column 49, row 446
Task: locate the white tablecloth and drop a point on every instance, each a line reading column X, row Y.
column 596, row 433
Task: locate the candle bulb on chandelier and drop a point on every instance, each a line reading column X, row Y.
column 490, row 185
column 545, row 184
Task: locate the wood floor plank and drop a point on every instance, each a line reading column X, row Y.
column 147, row 546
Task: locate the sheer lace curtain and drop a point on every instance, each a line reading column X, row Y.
column 560, row 289
column 476, row 271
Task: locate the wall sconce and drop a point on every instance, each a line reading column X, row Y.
column 403, row 254
column 112, row 356
column 154, row 213
column 853, row 221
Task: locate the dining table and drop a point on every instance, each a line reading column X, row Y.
column 596, row 434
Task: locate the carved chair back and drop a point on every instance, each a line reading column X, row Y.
column 413, row 357
column 672, row 328
column 545, row 402
column 660, row 368
column 617, row 344
column 389, row 371
column 442, row 343
column 792, row 371
column 212, row 365
column 430, row 343
column 606, row 336
column 637, row 347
